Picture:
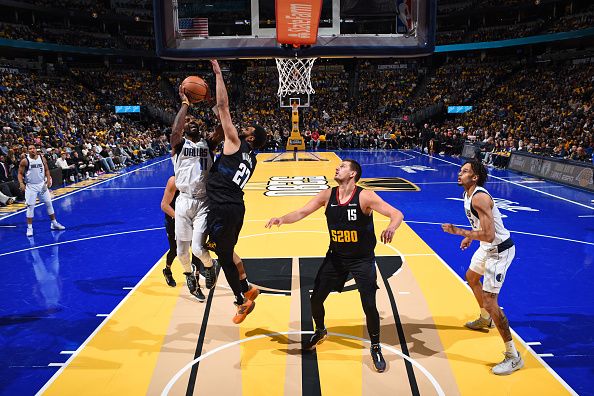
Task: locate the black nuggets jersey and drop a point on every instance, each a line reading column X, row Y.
column 351, row 231
column 229, row 174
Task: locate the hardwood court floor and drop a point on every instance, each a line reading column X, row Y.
column 159, row 340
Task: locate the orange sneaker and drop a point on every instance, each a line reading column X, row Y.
column 243, row 310
column 252, row 293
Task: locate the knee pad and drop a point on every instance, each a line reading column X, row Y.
column 30, row 210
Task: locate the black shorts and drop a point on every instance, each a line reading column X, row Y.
column 170, row 229
column 335, row 270
column 224, row 222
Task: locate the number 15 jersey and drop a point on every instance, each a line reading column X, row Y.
column 351, row 231
column 229, row 175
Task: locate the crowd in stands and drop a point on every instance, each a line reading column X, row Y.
column 540, row 108
column 73, row 127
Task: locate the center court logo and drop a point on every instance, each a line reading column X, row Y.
column 387, row 184
column 291, row 186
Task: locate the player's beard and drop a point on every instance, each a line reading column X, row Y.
column 194, row 135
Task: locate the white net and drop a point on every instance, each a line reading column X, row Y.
column 294, row 76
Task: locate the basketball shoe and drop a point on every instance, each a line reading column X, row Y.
column 378, row 359
column 252, row 293
column 316, row 339
column 169, row 277
column 480, row 323
column 243, row 311
column 193, row 285
column 210, row 275
column 57, row 226
column 508, row 365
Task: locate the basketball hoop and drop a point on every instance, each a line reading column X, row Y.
column 294, row 76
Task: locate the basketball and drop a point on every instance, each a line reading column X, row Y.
column 195, row 88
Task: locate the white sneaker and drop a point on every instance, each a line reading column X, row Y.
column 510, row 364
column 480, row 323
column 29, row 231
column 57, row 226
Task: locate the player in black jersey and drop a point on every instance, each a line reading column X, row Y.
column 224, row 188
column 168, row 207
column 349, row 210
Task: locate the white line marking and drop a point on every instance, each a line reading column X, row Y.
column 517, row 336
column 8, row 226
column 66, row 352
column 127, row 288
column 587, row 216
column 518, row 184
column 55, row 365
column 81, row 239
column 512, row 231
column 533, row 343
column 388, row 162
column 126, row 188
column 87, row 187
column 546, row 355
column 455, row 182
column 103, row 323
column 188, row 366
column 102, row 315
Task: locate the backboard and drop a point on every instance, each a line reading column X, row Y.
column 239, row 29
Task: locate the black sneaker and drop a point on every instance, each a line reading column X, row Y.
column 378, row 360
column 316, row 339
column 191, row 282
column 169, row 277
column 199, row 295
column 210, row 275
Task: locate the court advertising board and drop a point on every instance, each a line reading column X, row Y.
column 572, row 173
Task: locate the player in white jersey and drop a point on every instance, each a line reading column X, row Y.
column 491, row 260
column 192, row 159
column 35, row 180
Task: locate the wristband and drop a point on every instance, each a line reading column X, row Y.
column 186, row 102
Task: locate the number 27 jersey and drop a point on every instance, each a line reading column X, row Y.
column 351, row 230
column 229, row 175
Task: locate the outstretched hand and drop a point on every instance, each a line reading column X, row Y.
column 215, row 66
column 449, row 228
column 274, row 221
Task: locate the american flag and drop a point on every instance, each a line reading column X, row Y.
column 192, row 27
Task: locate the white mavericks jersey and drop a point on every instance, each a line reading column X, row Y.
column 191, row 164
column 35, row 171
column 501, row 233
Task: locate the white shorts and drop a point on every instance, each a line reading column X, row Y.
column 493, row 265
column 34, row 191
column 190, row 219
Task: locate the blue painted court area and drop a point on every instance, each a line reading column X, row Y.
column 56, row 284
